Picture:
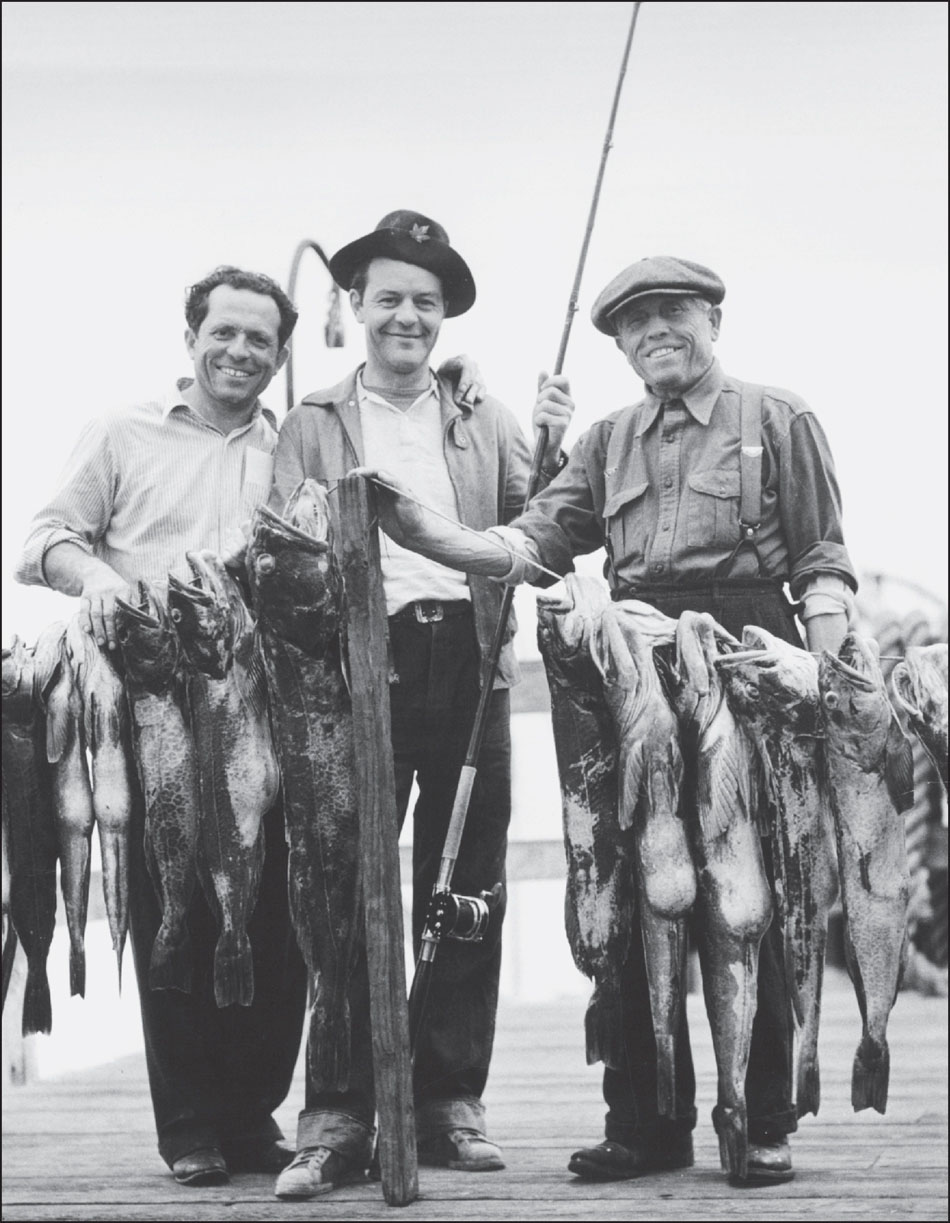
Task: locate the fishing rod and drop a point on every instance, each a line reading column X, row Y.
column 333, row 328
column 466, row 918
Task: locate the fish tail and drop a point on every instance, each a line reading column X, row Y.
column 328, row 1041
column 115, row 889
column 37, row 1008
column 77, row 968
column 733, row 1131
column 870, row 1075
column 171, row 963
column 665, row 1075
column 603, row 1028
column 808, row 1090
column 233, row 969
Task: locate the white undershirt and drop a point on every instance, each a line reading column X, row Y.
column 409, row 444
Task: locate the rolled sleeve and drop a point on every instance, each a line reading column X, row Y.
column 79, row 513
column 811, row 507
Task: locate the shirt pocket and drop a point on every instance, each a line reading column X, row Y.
column 712, row 518
column 624, row 528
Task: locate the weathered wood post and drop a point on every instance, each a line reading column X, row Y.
column 379, row 840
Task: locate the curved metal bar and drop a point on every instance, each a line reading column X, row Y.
column 333, row 332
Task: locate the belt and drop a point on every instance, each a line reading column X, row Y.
column 656, row 590
column 430, row 611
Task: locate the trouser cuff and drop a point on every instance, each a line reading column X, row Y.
column 179, row 1140
column 338, row 1131
column 436, row 1116
column 773, row 1127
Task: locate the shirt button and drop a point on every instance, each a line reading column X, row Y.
column 668, row 483
column 669, row 437
column 658, row 567
column 666, row 526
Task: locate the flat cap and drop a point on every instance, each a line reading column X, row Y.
column 657, row 274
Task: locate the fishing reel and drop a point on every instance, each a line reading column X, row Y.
column 463, row 918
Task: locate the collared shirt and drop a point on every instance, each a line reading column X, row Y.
column 665, row 504
column 409, row 444
column 146, row 485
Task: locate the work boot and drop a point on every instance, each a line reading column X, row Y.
column 316, row 1170
column 611, row 1161
column 463, row 1149
column 769, row 1163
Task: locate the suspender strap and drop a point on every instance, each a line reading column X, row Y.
column 750, row 462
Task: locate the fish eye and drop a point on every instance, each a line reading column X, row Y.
column 831, row 700
column 176, row 615
column 266, row 563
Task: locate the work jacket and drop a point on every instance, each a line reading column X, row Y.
column 486, row 454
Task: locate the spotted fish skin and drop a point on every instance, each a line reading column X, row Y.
column 297, row 592
column 72, row 791
column 870, row 772
column 599, row 907
column 29, row 827
column 734, row 904
column 238, row 774
column 167, row 768
column 651, row 776
column 773, row 688
column 920, row 685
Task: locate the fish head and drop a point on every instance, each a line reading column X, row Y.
column 47, row 658
column 772, row 684
column 566, row 622
column 14, row 660
column 919, row 683
column 201, row 613
column 18, row 682
column 860, row 722
column 151, row 649
column 294, row 576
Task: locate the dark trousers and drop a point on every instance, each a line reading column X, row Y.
column 630, row 1092
column 432, row 701
column 217, row 1074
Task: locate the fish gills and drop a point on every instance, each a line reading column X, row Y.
column 870, row 772
column 167, row 769
column 29, row 828
column 600, row 898
column 297, row 592
column 920, row 685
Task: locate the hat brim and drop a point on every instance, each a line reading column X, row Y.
column 603, row 320
column 458, row 285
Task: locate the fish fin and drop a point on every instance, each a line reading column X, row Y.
column 252, row 682
column 666, row 1075
column 899, row 767
column 233, row 969
column 37, row 1008
column 328, row 1040
column 732, row 1129
column 808, row 1086
column 603, row 1027
column 870, row 1075
column 57, row 726
column 172, row 958
column 77, row 969
column 630, row 782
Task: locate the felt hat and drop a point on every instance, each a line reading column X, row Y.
column 658, row 274
column 410, row 237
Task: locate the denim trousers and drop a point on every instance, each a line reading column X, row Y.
column 216, row 1074
column 433, row 696
column 630, row 1091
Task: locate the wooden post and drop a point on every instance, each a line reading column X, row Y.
column 379, row 840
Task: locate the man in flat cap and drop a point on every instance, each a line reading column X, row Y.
column 708, row 495
column 404, row 278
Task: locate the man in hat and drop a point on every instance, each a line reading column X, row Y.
column 404, row 279
column 669, row 487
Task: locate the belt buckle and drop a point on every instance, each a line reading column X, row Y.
column 428, row 612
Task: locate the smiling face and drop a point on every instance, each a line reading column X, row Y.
column 668, row 339
column 235, row 353
column 402, row 308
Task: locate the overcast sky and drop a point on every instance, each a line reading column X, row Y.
column 798, row 149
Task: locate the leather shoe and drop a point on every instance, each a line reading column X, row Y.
column 256, row 1155
column 769, row 1163
column 205, row 1166
column 610, row 1161
column 463, row 1150
column 317, row 1170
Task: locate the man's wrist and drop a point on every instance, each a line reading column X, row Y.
column 550, row 469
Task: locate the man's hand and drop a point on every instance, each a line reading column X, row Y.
column 97, row 605
column 234, row 545
column 470, row 387
column 554, row 409
column 402, row 519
